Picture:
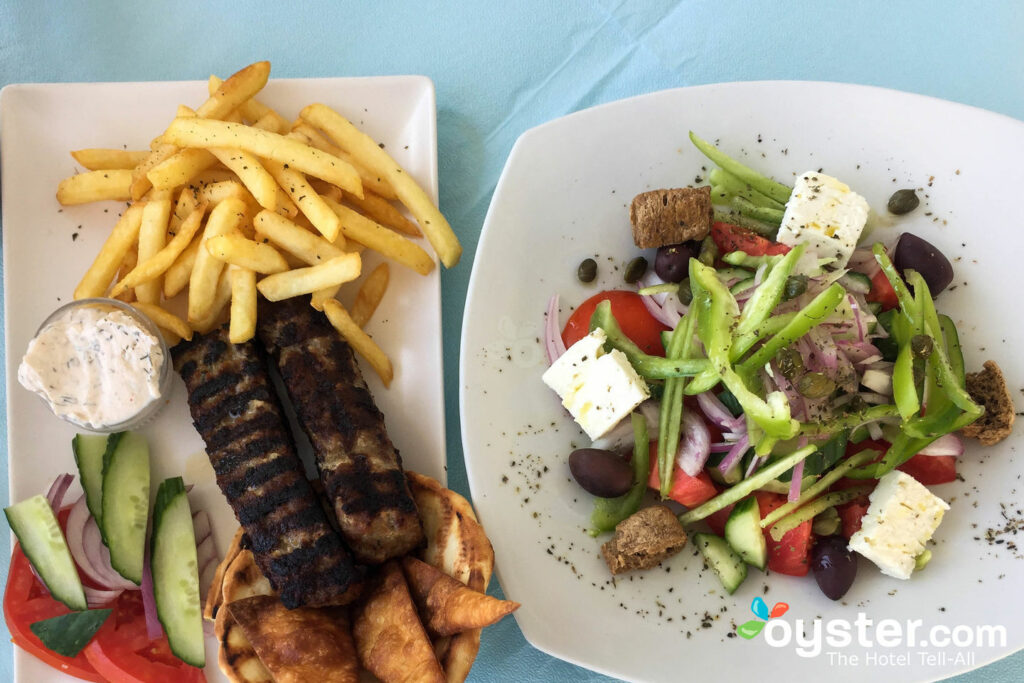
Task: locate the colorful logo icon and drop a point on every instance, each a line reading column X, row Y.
column 759, row 607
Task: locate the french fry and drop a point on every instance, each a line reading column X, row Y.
column 384, row 212
column 327, row 190
column 95, row 186
column 359, row 340
column 367, row 153
column 206, row 133
column 186, row 204
column 165, row 259
column 336, row 271
column 127, row 263
column 202, row 284
column 140, row 174
column 305, row 197
column 215, row 174
column 221, row 299
column 252, row 174
column 369, row 295
column 96, row 280
column 109, row 159
column 215, row 193
column 180, row 168
column 361, row 229
column 246, row 253
column 165, row 319
column 294, row 239
column 178, row 275
column 252, row 109
column 153, row 238
column 271, row 122
column 371, row 181
column 238, row 88
column 243, row 305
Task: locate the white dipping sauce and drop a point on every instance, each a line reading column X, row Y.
column 95, row 366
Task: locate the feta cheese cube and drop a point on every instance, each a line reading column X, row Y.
column 598, row 389
column 901, row 519
column 826, row 215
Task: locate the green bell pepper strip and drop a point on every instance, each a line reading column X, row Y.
column 717, row 312
column 759, row 213
column 763, row 229
column 649, row 367
column 907, row 305
column 848, row 421
column 903, row 388
column 668, row 287
column 755, row 180
column 671, row 414
column 815, row 507
column 705, row 381
column 768, row 295
column 820, row 308
column 608, row 512
column 742, row 259
column 725, row 183
column 820, row 486
column 746, row 487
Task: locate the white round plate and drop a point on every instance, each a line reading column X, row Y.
column 564, row 196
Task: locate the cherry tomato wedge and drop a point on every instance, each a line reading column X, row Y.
column 122, row 652
column 628, row 308
column 687, row 490
column 729, row 237
column 791, row 554
column 882, row 292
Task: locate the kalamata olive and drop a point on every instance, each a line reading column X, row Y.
column 587, row 270
column 635, row 270
column 914, row 253
column 672, row 263
column 903, row 201
column 601, row 473
column 834, row 566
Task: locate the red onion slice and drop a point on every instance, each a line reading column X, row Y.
column 718, row 414
column 97, row 597
column 58, row 488
column 794, row 485
column 99, row 558
column 206, row 574
column 153, row 628
column 755, row 464
column 950, row 444
column 695, row 444
column 733, row 456
column 75, row 533
column 201, row 526
column 552, row 334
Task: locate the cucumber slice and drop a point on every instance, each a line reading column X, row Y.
column 176, row 574
column 126, row 504
column 855, row 282
column 743, row 532
column 36, row 527
column 742, row 285
column 729, row 567
column 90, row 454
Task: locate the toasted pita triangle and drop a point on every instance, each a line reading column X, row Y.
column 448, row 606
column 298, row 645
column 243, row 579
column 215, row 597
column 236, row 657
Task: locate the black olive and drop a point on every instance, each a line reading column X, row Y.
column 601, row 473
column 672, row 263
column 635, row 270
column 834, row 566
column 914, row 253
column 795, row 286
column 903, row 201
column 587, row 270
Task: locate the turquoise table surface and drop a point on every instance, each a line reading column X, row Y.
column 503, row 67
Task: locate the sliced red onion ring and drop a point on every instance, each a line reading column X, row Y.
column 719, row 415
column 734, row 454
column 58, row 488
column 862, row 327
column 99, row 558
column 755, row 464
column 75, row 533
column 201, row 526
column 153, row 628
column 206, row 577
column 552, row 334
column 664, row 316
column 695, row 444
column 206, row 551
column 950, row 444
column 723, row 447
column 97, row 597
column 794, row 484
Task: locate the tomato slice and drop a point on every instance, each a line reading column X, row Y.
column 27, row 601
column 629, row 310
column 851, row 515
column 716, row 520
column 931, row 469
column 122, row 652
column 687, row 490
column 881, row 292
column 792, row 553
column 729, row 237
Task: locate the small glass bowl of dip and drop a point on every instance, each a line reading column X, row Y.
column 99, row 364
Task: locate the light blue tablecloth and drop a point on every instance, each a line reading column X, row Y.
column 503, row 67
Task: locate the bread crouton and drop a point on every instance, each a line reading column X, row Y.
column 989, row 389
column 664, row 217
column 643, row 540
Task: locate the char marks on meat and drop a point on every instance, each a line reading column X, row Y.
column 359, row 466
column 239, row 416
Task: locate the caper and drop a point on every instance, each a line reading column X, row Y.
column 921, row 345
column 587, row 270
column 795, row 286
column 685, row 294
column 903, row 201
column 635, row 270
column 791, row 364
column 708, row 251
column 815, row 385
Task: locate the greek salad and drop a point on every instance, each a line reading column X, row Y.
column 780, row 374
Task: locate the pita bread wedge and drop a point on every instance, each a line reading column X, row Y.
column 236, row 657
column 391, row 642
column 243, row 579
column 215, row 596
column 450, row 607
column 298, row 645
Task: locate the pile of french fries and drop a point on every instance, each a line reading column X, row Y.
column 231, row 202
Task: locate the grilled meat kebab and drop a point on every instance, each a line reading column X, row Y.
column 239, row 416
column 359, row 466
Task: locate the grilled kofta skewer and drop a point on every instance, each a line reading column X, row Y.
column 239, row 416
column 359, row 466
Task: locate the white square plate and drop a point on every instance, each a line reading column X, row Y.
column 46, row 250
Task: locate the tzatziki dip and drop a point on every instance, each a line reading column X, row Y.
column 95, row 364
